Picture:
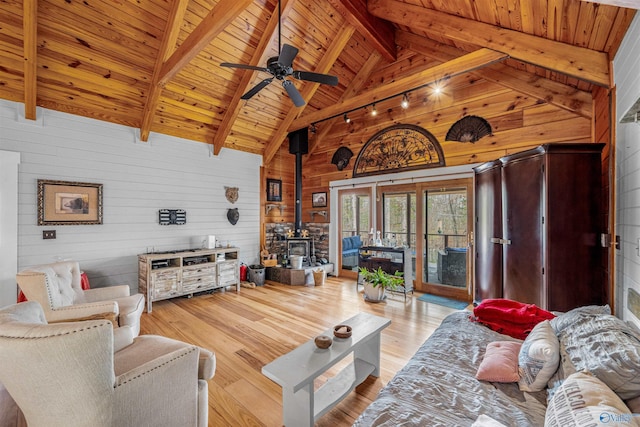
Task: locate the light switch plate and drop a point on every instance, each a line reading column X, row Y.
column 48, row 234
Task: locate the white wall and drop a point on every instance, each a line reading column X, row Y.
column 138, row 179
column 627, row 80
column 9, row 162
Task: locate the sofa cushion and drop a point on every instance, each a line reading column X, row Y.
column 346, row 243
column 605, row 346
column 500, row 362
column 539, row 357
column 584, row 400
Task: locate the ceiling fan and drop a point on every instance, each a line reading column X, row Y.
column 280, row 67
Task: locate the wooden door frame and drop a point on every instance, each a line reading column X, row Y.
column 444, row 290
column 357, row 191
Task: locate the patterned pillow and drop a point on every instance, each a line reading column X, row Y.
column 500, row 362
column 583, row 400
column 539, row 357
column 605, row 346
column 567, row 319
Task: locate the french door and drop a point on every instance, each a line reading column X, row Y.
column 446, row 210
column 354, row 207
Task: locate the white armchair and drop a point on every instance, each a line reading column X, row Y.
column 58, row 290
column 67, row 374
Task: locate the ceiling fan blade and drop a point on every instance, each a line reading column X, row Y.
column 287, row 55
column 295, row 96
column 316, row 77
column 244, row 66
column 257, row 88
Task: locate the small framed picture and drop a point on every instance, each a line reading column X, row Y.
column 69, row 203
column 274, row 190
column 319, row 200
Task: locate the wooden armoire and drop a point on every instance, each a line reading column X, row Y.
column 539, row 218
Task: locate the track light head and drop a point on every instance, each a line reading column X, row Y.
column 405, row 101
column 374, row 112
column 346, row 118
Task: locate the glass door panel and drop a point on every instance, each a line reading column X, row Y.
column 355, row 224
column 447, row 218
column 399, row 221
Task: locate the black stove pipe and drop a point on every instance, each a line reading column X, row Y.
column 298, row 145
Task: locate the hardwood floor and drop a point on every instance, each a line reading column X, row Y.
column 249, row 329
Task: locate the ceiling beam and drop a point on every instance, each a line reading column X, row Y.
column 167, row 46
column 579, row 62
column 223, row 14
column 354, row 87
column 324, row 66
column 464, row 64
column 630, row 4
column 555, row 93
column 30, row 28
column 260, row 56
column 379, row 32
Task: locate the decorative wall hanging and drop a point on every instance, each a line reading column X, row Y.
column 69, row 203
column 399, row 148
column 231, row 193
column 469, row 129
column 319, row 200
column 341, row 157
column 274, row 190
column 172, row 216
column 233, row 215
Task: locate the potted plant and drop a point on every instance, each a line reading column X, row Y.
column 376, row 282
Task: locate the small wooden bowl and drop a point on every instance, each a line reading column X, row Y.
column 342, row 331
column 323, row 341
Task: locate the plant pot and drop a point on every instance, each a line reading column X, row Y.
column 373, row 293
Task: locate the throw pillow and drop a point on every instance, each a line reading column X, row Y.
column 605, row 346
column 539, row 357
column 500, row 362
column 567, row 319
column 584, row 400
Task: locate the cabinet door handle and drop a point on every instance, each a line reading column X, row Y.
column 500, row 241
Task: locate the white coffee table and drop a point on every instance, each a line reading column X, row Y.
column 296, row 371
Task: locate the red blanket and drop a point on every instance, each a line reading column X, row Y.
column 509, row 317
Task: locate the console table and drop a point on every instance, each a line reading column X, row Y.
column 390, row 260
column 296, row 371
column 184, row 272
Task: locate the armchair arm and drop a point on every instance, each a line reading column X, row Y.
column 122, row 337
column 105, row 309
column 159, row 385
column 109, row 292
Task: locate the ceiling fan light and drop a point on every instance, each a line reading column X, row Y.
column 405, row 101
column 346, row 118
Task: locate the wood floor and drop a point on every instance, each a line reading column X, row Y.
column 249, row 329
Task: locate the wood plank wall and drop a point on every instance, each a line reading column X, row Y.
column 138, row 179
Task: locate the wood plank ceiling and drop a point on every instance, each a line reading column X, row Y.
column 155, row 65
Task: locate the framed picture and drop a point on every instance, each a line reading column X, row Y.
column 319, row 200
column 274, row 190
column 69, row 203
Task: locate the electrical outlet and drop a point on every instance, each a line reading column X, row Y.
column 48, row 234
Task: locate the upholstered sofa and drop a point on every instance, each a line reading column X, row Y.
column 585, row 351
column 350, row 248
column 89, row 374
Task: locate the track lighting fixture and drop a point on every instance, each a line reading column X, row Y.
column 313, row 128
column 374, row 112
column 346, row 118
column 405, row 101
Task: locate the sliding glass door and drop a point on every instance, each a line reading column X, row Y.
column 354, row 226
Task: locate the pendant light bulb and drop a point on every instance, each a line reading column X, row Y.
column 346, row 118
column 405, row 101
column 374, row 112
